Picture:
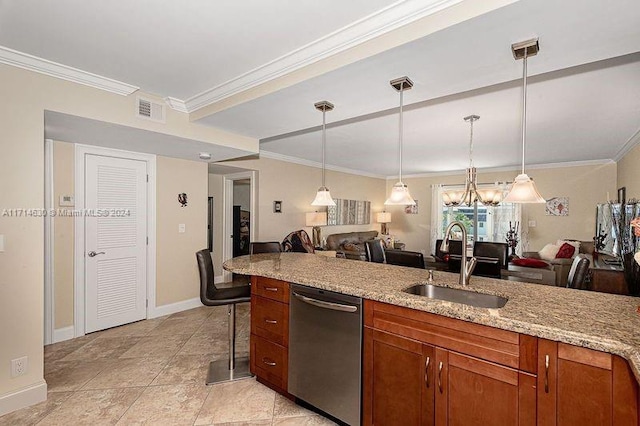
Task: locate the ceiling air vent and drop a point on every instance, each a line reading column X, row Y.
column 150, row 110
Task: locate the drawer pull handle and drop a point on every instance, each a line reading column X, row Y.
column 426, row 371
column 274, row 289
column 440, row 377
column 268, row 362
column 546, row 373
column 270, row 321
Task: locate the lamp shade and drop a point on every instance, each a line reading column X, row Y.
column 524, row 191
column 323, row 198
column 383, row 217
column 400, row 196
column 316, row 219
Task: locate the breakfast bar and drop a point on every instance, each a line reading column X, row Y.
column 550, row 355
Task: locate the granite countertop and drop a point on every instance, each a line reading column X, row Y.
column 599, row 321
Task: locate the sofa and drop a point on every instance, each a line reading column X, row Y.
column 562, row 266
column 350, row 243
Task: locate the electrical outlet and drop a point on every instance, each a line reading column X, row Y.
column 19, row 366
column 182, row 228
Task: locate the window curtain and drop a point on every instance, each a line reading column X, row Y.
column 436, row 215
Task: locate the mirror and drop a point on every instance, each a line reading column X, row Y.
column 606, row 234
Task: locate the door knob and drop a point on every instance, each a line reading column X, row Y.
column 94, row 254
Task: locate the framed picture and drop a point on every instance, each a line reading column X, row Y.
column 557, row 206
column 411, row 209
column 277, row 206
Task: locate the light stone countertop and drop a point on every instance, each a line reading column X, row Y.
column 600, row 321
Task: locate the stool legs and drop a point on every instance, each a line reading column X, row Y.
column 231, row 369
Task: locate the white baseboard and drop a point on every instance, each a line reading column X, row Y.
column 172, row 308
column 62, row 334
column 23, row 398
column 218, row 279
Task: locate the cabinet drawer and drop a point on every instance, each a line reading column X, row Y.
column 269, row 361
column 270, row 288
column 269, row 319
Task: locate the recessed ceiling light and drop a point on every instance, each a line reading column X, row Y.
column 205, row 156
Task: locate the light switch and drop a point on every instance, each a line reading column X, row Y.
column 532, row 224
column 182, row 228
column 1, row 243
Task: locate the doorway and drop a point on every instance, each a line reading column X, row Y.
column 240, row 215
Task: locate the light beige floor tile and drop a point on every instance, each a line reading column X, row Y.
column 126, row 373
column 200, row 344
column 240, row 401
column 202, row 312
column 102, row 347
column 315, row 420
column 72, row 375
column 35, row 413
column 166, row 405
column 99, row 407
column 284, row 407
column 140, row 328
column 58, row 351
column 251, row 423
column 156, row 347
column 177, row 326
column 184, row 369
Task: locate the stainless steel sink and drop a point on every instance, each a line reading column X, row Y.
column 466, row 297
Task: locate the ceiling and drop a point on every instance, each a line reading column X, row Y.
column 584, row 93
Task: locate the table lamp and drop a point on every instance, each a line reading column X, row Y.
column 383, row 218
column 316, row 220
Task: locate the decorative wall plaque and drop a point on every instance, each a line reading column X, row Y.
column 349, row 212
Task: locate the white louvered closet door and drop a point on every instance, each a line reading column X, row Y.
column 115, row 242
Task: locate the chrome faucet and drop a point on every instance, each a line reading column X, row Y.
column 466, row 268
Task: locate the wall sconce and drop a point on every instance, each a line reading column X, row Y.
column 383, row 218
column 316, row 220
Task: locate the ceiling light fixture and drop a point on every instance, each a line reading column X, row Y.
column 524, row 189
column 323, row 196
column 400, row 193
column 204, row 156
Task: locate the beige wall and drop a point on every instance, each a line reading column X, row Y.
column 629, row 173
column 584, row 185
column 25, row 97
column 63, row 184
column 177, row 276
column 295, row 185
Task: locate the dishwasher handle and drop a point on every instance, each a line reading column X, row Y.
column 325, row 305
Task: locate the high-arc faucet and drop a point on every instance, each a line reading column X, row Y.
column 466, row 268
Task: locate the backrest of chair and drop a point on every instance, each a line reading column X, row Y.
column 205, row 267
column 455, row 247
column 491, row 249
column 578, row 272
column 265, row 247
column 412, row 259
column 374, row 251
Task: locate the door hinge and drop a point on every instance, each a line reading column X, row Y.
column 147, row 303
column 147, row 178
column 147, row 240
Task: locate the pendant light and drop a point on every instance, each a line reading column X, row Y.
column 323, row 196
column 400, row 193
column 524, row 189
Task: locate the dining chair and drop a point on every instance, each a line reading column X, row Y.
column 265, row 247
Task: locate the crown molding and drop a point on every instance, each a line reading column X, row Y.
column 381, row 22
column 631, row 143
column 509, row 168
column 309, row 163
column 54, row 69
column 176, row 104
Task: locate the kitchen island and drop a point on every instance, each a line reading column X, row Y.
column 547, row 324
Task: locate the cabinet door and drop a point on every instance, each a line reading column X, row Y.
column 471, row 391
column 399, row 380
column 585, row 387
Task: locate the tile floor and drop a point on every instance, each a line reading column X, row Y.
column 152, row 372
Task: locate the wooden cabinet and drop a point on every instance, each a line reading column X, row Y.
column 270, row 332
column 425, row 369
column 584, row 387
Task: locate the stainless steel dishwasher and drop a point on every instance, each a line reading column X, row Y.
column 325, row 351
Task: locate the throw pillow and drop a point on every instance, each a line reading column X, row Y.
column 566, row 251
column 353, row 247
column 549, row 252
column 574, row 243
column 530, row 262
